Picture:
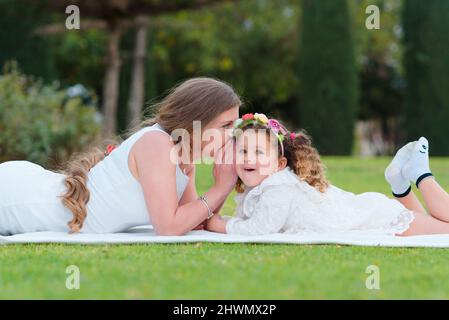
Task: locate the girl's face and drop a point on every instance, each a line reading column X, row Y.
column 257, row 156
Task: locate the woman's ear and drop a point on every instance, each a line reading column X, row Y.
column 282, row 163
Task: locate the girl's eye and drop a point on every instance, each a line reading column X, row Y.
column 242, row 151
column 259, row 152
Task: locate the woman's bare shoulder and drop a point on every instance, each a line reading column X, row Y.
column 154, row 138
column 152, row 147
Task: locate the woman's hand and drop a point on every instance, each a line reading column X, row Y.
column 224, row 168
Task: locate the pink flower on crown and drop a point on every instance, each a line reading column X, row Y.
column 247, row 116
column 274, row 125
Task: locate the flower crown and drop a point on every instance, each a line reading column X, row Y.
column 259, row 118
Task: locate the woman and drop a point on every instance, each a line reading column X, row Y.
column 138, row 182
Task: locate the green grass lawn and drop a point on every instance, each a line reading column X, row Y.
column 234, row 271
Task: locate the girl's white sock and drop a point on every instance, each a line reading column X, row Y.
column 400, row 185
column 417, row 167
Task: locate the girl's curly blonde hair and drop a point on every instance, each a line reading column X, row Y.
column 301, row 156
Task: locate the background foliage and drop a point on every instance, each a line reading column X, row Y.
column 265, row 49
column 40, row 122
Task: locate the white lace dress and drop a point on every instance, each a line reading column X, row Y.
column 283, row 203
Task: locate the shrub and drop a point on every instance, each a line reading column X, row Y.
column 39, row 123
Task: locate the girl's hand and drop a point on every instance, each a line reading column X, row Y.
column 201, row 226
column 216, row 224
column 224, row 168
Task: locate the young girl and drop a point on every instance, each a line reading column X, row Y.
column 282, row 188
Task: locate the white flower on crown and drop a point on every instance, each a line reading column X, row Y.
column 261, row 118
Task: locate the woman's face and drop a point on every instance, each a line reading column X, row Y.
column 216, row 133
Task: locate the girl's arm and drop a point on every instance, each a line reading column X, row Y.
column 270, row 215
column 216, row 224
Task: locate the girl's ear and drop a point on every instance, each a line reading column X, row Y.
column 282, row 163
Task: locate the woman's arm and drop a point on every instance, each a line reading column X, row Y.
column 220, row 206
column 190, row 193
column 157, row 177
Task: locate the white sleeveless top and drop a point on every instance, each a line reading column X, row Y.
column 29, row 193
column 116, row 198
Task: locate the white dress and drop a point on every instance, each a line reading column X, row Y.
column 286, row 204
column 29, row 195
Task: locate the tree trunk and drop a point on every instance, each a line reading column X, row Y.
column 137, row 91
column 111, row 81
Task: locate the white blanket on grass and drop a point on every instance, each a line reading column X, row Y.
column 145, row 234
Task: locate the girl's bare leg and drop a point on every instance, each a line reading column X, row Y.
column 417, row 169
column 411, row 202
column 425, row 224
column 436, row 198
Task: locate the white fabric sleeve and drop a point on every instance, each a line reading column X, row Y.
column 269, row 216
column 238, row 198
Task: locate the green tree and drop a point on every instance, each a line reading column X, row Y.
column 17, row 41
column 328, row 75
column 426, row 59
column 116, row 17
